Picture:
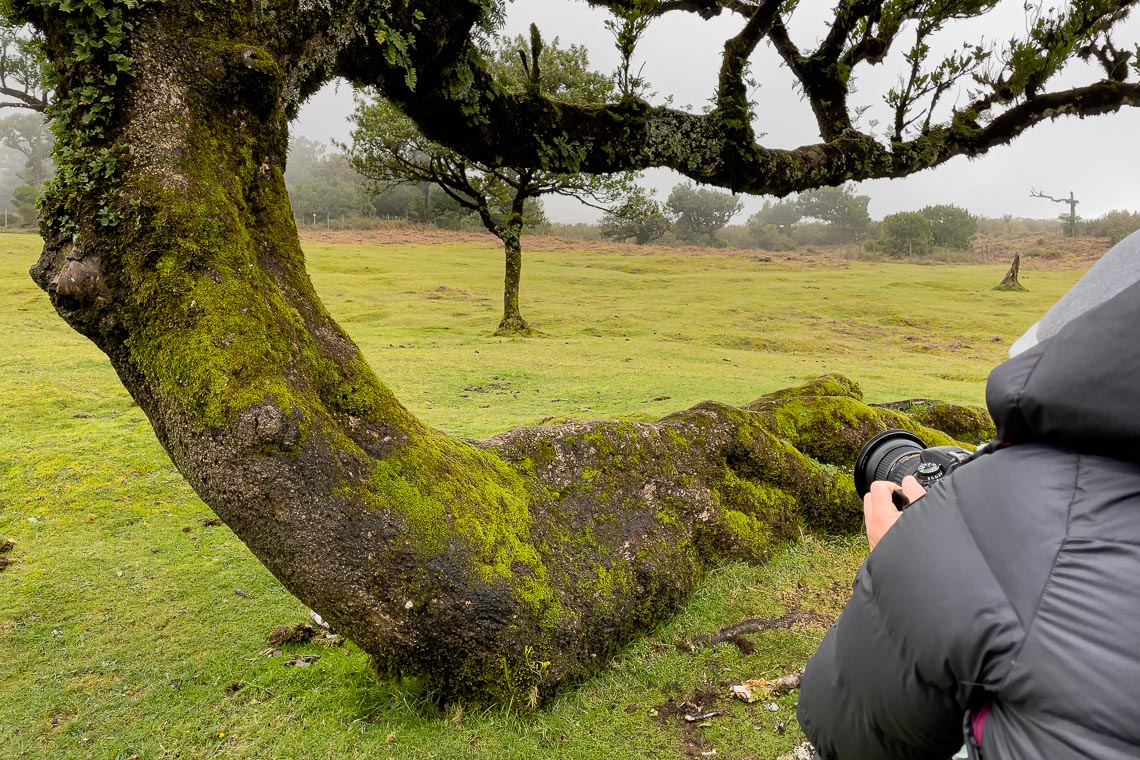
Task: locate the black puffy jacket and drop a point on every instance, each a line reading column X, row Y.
column 1014, row 583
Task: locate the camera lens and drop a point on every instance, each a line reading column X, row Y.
column 891, row 455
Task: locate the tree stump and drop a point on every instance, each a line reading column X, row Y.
column 1010, row 281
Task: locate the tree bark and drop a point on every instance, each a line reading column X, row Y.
column 512, row 322
column 1011, row 281
column 499, row 570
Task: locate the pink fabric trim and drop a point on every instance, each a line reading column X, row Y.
column 978, row 723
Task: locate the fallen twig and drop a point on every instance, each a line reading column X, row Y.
column 734, row 632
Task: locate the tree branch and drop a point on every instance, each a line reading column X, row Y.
column 847, row 16
column 824, row 82
column 1066, row 201
column 706, row 9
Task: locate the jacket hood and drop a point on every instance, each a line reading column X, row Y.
column 1080, row 388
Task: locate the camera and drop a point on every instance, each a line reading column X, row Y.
column 894, row 454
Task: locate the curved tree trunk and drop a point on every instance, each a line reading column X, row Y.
column 500, row 570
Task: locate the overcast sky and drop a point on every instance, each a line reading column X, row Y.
column 1095, row 158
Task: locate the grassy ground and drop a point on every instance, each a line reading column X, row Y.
column 131, row 628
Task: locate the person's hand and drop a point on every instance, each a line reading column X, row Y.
column 879, row 510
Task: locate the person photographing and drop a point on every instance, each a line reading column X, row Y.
column 1001, row 607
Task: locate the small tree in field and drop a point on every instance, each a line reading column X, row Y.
column 390, row 149
column 701, row 211
column 639, row 218
column 781, row 214
column 844, row 212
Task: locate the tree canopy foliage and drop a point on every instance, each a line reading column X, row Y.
column 26, row 135
column 782, row 214
column 907, row 233
column 951, row 226
column 638, row 218
column 332, row 189
column 844, row 212
column 701, row 211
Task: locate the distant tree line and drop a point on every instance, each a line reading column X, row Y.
column 1115, row 225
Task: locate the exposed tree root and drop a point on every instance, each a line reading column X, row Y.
column 517, row 327
column 734, row 633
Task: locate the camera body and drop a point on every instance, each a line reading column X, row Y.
column 894, row 454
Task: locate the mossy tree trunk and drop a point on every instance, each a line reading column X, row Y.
column 1011, row 280
column 500, row 570
column 512, row 322
column 509, row 230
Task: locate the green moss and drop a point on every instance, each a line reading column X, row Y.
column 833, row 428
column 825, row 385
column 757, row 516
column 449, row 491
column 972, row 424
column 679, row 441
column 751, row 533
column 604, row 585
column 223, row 314
column 828, row 428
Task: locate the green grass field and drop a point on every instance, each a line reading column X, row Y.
column 122, row 632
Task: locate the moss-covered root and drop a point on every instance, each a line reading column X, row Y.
column 628, row 518
column 824, row 385
column 517, row 327
column 971, row 424
column 630, row 514
column 827, row 420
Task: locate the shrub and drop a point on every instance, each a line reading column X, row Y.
column 768, row 237
column 1115, row 225
column 907, row 233
column 951, row 226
